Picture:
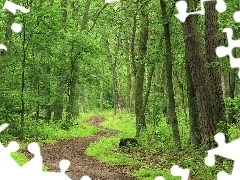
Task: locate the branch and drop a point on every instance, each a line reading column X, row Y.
column 98, row 14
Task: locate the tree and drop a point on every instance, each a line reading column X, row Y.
column 172, row 117
column 212, row 41
column 140, row 68
column 206, row 103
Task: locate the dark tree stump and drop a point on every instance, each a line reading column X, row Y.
column 126, row 142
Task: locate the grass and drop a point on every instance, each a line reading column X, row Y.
column 105, row 150
column 51, row 132
column 154, row 157
column 157, row 153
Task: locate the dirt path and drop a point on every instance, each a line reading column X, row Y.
column 81, row 164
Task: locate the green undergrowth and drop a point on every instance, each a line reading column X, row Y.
column 51, row 132
column 105, row 150
column 157, row 153
column 154, row 157
column 123, row 122
column 21, row 159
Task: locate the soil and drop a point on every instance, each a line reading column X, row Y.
column 81, row 164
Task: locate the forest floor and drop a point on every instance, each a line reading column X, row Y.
column 81, row 164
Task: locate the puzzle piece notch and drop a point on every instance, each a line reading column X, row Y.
column 8, row 164
column 182, row 9
column 210, row 159
column 9, row 169
column 5, row 156
column 12, row 7
column 227, row 150
column 85, row 178
column 159, row 178
column 35, row 164
column 177, row 171
column 3, row 126
column 236, row 16
column 64, row 165
column 223, row 176
column 222, row 51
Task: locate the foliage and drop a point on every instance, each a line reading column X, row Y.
column 48, row 133
column 155, row 156
column 103, row 151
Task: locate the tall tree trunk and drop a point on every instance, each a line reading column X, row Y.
column 85, row 15
column 172, row 117
column 113, row 68
column 72, row 107
column 140, row 69
column 232, row 87
column 195, row 132
column 47, row 86
column 83, row 93
column 102, row 88
column 47, row 91
column 158, row 94
column 132, row 56
column 225, row 82
column 200, row 80
column 212, row 42
column 24, row 58
column 129, row 87
column 148, row 88
column 116, row 85
column 58, row 102
column 127, row 41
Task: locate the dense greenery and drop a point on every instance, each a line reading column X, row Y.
column 160, row 79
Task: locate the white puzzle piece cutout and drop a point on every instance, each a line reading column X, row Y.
column 182, row 9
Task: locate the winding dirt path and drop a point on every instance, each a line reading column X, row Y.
column 81, row 164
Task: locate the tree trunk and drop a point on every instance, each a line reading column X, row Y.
column 85, row 15
column 58, row 102
column 72, row 108
column 129, row 87
column 140, row 69
column 212, row 42
column 127, row 43
column 132, row 56
column 47, row 91
column 102, row 87
column 148, row 88
column 232, row 87
column 22, row 124
column 200, row 80
column 195, row 132
column 172, row 117
column 47, row 87
column 112, row 64
column 158, row 94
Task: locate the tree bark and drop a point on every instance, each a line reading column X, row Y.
column 72, row 107
column 172, row 117
column 58, row 102
column 140, row 69
column 206, row 109
column 232, row 87
column 132, row 52
column 102, row 88
column 212, row 41
column 195, row 132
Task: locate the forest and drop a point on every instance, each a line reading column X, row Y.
column 123, row 90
